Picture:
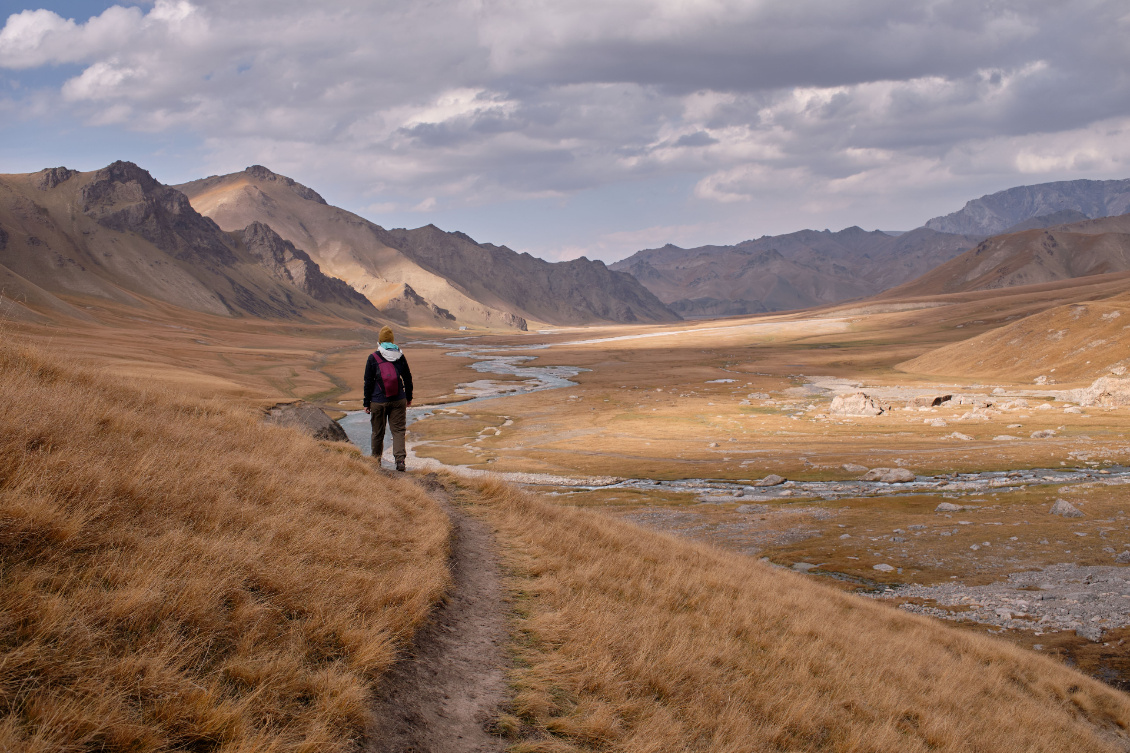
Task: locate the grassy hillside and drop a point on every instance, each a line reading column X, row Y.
column 635, row 641
column 1076, row 342
column 176, row 576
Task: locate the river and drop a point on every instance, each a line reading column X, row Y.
column 511, row 361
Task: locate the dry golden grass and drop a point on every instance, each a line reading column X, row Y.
column 629, row 640
column 176, row 576
column 1079, row 341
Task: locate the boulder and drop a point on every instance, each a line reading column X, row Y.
column 1043, row 434
column 1106, row 392
column 1123, row 557
column 948, row 507
column 771, row 480
column 928, row 401
column 1093, row 633
column 1066, row 509
column 884, row 568
column 857, row 404
column 888, row 475
column 854, row 468
column 308, row 419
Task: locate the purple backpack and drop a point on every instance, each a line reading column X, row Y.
column 388, row 376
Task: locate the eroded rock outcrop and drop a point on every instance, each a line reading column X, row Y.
column 126, row 198
column 293, row 265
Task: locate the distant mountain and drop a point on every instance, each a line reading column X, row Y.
column 1061, row 217
column 999, row 212
column 572, row 292
column 431, row 276
column 1029, row 257
column 117, row 234
column 798, row 270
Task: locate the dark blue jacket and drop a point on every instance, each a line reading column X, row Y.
column 374, row 387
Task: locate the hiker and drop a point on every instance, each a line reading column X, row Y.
column 388, row 393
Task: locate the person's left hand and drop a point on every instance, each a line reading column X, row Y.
column 367, row 410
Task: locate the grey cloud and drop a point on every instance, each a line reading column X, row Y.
column 698, row 138
column 482, row 101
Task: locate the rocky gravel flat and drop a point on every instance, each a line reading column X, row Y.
column 1086, row 599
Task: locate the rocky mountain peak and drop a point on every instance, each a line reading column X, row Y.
column 124, row 197
column 126, row 172
column 50, row 177
column 260, row 173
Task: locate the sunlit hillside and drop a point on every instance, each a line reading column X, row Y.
column 175, row 575
column 632, row 641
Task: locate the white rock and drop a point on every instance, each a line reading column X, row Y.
column 884, row 568
column 888, row 475
column 1066, row 509
column 1108, row 392
column 1043, row 434
column 855, row 404
column 771, row 480
column 947, row 507
column 1004, row 438
column 1073, row 409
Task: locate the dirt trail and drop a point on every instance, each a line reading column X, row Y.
column 440, row 698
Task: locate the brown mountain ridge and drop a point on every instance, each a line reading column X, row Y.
column 793, row 271
column 1031, row 257
column 431, row 276
column 118, row 234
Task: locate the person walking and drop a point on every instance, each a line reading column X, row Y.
column 388, row 393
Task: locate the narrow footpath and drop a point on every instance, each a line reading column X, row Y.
column 442, row 697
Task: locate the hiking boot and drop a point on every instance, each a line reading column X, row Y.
column 401, row 467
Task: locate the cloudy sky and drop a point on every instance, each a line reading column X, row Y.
column 593, row 127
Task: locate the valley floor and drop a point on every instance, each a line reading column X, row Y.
column 641, row 616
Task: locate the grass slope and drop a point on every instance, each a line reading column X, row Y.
column 1075, row 342
column 176, row 576
column 635, row 641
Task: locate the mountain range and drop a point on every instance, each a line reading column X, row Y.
column 798, row 270
column 1031, row 257
column 275, row 249
column 1001, row 212
column 117, row 234
column 255, row 243
column 426, row 276
column 992, row 241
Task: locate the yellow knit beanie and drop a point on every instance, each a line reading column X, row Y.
column 386, row 335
